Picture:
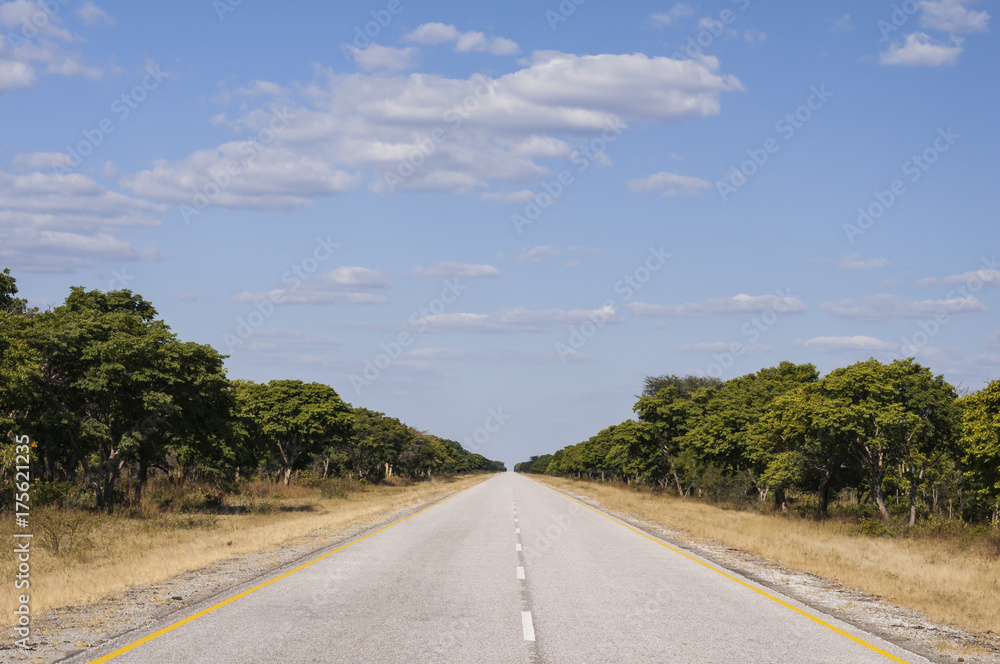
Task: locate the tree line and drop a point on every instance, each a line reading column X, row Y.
column 110, row 396
column 894, row 437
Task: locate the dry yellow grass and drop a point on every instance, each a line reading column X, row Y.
column 125, row 551
column 952, row 586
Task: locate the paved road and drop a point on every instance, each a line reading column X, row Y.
column 507, row 571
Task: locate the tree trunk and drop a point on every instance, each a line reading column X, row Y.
column 779, row 499
column 680, row 489
column 876, row 489
column 913, row 494
column 140, row 480
column 288, row 474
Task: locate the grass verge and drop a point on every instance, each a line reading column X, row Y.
column 79, row 556
column 952, row 579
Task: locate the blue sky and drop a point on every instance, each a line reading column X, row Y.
column 492, row 220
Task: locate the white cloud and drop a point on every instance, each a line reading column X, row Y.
column 537, row 254
column 665, row 19
column 951, row 16
column 344, row 285
column 384, row 57
column 274, row 178
column 58, row 223
column 351, row 126
column 755, row 36
column 985, row 276
column 431, row 34
column 669, row 184
column 841, row 344
column 445, row 270
column 855, row 262
column 516, row 320
column 919, row 50
column 93, row 15
column 721, row 305
column 725, row 347
column 24, row 52
column 522, row 196
column 885, row 307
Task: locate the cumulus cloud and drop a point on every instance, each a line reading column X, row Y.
column 855, row 262
column 669, row 185
column 517, row 320
column 736, row 304
column 952, row 16
column 344, row 285
column 58, row 223
column 537, row 254
column 384, row 57
column 92, row 15
column 986, row 276
column 25, row 53
column 841, row 344
column 919, row 50
column 886, row 307
column 446, row 270
column 431, row 34
column 350, row 127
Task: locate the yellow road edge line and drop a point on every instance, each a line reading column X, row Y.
column 180, row 623
column 733, row 578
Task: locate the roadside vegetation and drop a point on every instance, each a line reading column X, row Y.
column 880, row 476
column 142, row 455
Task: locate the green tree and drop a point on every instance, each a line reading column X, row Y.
column 294, row 418
column 981, row 442
column 930, row 424
column 720, row 436
column 377, row 444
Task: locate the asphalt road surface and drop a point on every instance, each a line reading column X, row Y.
column 506, row 571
